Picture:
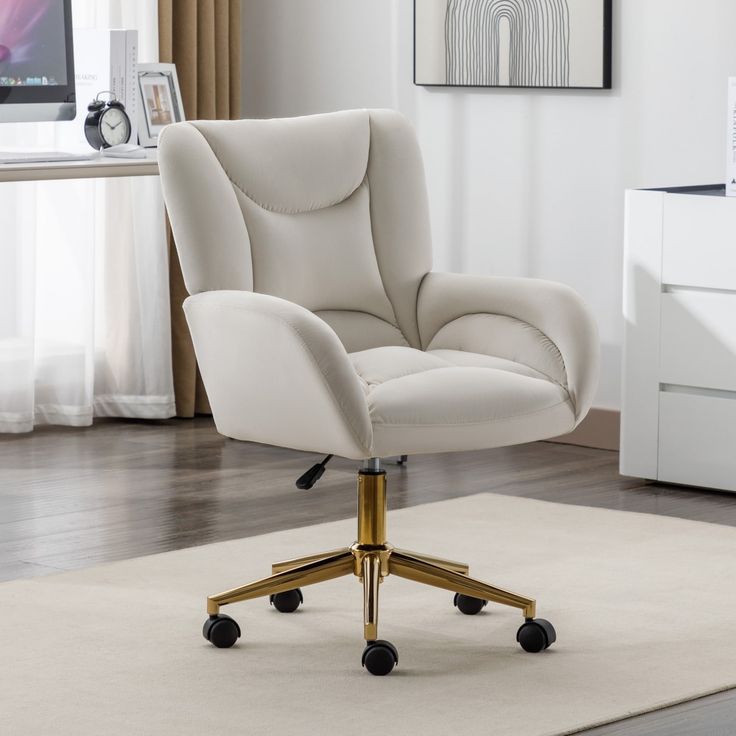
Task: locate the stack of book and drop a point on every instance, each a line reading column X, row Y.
column 104, row 61
column 731, row 170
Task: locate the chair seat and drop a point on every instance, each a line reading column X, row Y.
column 451, row 400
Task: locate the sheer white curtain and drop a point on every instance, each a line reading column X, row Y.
column 84, row 304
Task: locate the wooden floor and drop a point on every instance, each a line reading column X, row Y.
column 72, row 498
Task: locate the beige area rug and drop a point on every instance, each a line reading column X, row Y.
column 644, row 608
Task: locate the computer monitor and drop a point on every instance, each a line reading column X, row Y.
column 36, row 61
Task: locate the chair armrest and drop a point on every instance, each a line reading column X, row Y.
column 562, row 327
column 277, row 374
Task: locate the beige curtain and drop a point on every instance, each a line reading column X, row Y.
column 202, row 37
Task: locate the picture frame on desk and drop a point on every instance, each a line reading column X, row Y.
column 160, row 101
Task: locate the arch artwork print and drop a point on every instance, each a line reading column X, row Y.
column 538, row 49
column 513, row 43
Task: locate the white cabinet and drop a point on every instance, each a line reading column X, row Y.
column 678, row 413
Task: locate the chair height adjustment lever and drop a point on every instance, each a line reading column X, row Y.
column 307, row 481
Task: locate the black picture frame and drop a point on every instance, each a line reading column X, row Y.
column 607, row 49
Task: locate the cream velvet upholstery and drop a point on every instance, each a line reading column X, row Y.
column 305, row 245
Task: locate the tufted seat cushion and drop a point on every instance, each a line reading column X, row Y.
column 455, row 399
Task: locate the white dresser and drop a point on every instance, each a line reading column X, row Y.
column 678, row 413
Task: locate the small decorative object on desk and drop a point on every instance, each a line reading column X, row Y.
column 125, row 150
column 107, row 123
column 731, row 170
column 160, row 102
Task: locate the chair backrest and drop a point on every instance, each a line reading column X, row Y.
column 328, row 211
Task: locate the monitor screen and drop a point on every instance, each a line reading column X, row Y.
column 36, row 60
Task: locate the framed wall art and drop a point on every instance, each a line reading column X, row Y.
column 564, row 44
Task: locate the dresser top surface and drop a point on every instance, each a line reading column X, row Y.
column 705, row 190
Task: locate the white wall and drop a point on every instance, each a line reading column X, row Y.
column 520, row 182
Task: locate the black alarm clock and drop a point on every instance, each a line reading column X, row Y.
column 107, row 124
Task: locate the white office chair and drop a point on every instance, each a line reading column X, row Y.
column 319, row 325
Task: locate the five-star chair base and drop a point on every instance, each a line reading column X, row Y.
column 372, row 559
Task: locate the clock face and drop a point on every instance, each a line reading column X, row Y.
column 114, row 127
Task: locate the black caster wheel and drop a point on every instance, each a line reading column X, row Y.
column 468, row 605
column 536, row 635
column 221, row 630
column 380, row 657
column 288, row 601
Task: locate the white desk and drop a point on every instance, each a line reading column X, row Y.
column 68, row 358
column 97, row 168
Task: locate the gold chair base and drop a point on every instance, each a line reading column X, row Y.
column 371, row 559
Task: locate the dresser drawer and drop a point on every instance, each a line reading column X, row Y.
column 698, row 340
column 699, row 241
column 697, row 440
